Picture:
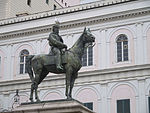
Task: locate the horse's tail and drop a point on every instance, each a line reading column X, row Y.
column 29, row 66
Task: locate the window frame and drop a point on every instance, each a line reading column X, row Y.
column 123, row 106
column 87, row 105
column 88, row 57
column 122, row 49
column 23, row 63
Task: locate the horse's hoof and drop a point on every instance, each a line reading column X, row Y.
column 38, row 100
column 69, row 98
column 31, row 100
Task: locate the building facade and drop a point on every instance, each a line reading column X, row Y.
column 115, row 76
column 15, row 8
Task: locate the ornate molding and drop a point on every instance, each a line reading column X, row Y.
column 61, row 11
column 77, row 23
column 105, row 76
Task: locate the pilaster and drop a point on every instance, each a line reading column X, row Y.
column 103, row 54
column 142, row 97
column 140, row 52
column 104, row 99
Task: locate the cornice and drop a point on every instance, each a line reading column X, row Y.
column 78, row 23
column 136, row 72
column 62, row 11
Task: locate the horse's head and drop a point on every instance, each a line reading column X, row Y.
column 88, row 38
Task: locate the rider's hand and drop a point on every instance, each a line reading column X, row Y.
column 65, row 46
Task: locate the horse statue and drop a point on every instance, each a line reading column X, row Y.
column 71, row 61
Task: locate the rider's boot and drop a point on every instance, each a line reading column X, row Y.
column 59, row 67
column 58, row 62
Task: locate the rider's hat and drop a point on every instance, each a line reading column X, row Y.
column 57, row 23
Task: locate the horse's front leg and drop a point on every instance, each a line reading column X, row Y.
column 36, row 94
column 68, row 75
column 72, row 84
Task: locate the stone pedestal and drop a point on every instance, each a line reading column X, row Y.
column 57, row 106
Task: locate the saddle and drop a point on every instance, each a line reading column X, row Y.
column 51, row 59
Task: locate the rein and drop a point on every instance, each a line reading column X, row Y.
column 90, row 45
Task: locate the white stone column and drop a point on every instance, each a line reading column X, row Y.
column 38, row 46
column 104, row 99
column 12, row 62
column 99, row 106
column 139, row 46
column 142, row 98
column 145, row 46
column 7, row 62
column 135, row 50
column 109, row 105
column 6, row 100
column 137, row 104
column 147, row 104
column 103, row 53
column 99, row 46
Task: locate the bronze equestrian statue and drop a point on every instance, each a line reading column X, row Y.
column 71, row 63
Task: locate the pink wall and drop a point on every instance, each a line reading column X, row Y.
column 52, row 96
column 123, row 92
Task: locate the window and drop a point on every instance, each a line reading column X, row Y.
column 62, row 1
column 47, row 1
column 23, row 54
column 29, row 2
column 123, row 106
column 89, row 105
column 54, row 7
column 87, row 59
column 65, row 4
column 122, row 48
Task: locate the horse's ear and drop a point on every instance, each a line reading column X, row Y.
column 84, row 29
column 89, row 30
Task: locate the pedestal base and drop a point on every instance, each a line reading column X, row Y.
column 57, row 106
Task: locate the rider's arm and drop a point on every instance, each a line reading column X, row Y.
column 55, row 43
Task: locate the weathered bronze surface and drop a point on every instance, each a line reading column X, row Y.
column 42, row 64
column 57, row 45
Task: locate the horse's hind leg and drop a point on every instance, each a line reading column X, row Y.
column 37, row 81
column 31, row 94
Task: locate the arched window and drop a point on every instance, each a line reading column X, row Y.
column 23, row 54
column 122, row 48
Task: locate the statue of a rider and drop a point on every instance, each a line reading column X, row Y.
column 57, row 45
